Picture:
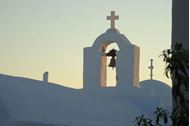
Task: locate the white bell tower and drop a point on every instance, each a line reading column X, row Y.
column 95, row 60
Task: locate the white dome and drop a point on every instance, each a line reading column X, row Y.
column 158, row 90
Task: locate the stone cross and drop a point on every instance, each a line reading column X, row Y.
column 151, row 68
column 112, row 18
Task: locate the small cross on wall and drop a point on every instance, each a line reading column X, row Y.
column 112, row 18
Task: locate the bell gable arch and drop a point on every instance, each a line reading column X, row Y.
column 127, row 61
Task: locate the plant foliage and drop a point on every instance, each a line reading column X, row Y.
column 162, row 117
column 177, row 68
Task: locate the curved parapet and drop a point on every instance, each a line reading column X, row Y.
column 111, row 36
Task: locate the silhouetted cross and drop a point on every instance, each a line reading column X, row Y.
column 112, row 18
column 151, row 68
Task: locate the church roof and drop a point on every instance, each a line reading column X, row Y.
column 26, row 101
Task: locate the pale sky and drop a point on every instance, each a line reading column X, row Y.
column 49, row 35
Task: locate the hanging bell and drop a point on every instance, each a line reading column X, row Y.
column 112, row 63
column 112, row 54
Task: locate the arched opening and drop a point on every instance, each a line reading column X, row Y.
column 108, row 72
column 111, row 72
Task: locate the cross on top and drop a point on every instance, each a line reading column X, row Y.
column 151, row 68
column 112, row 18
